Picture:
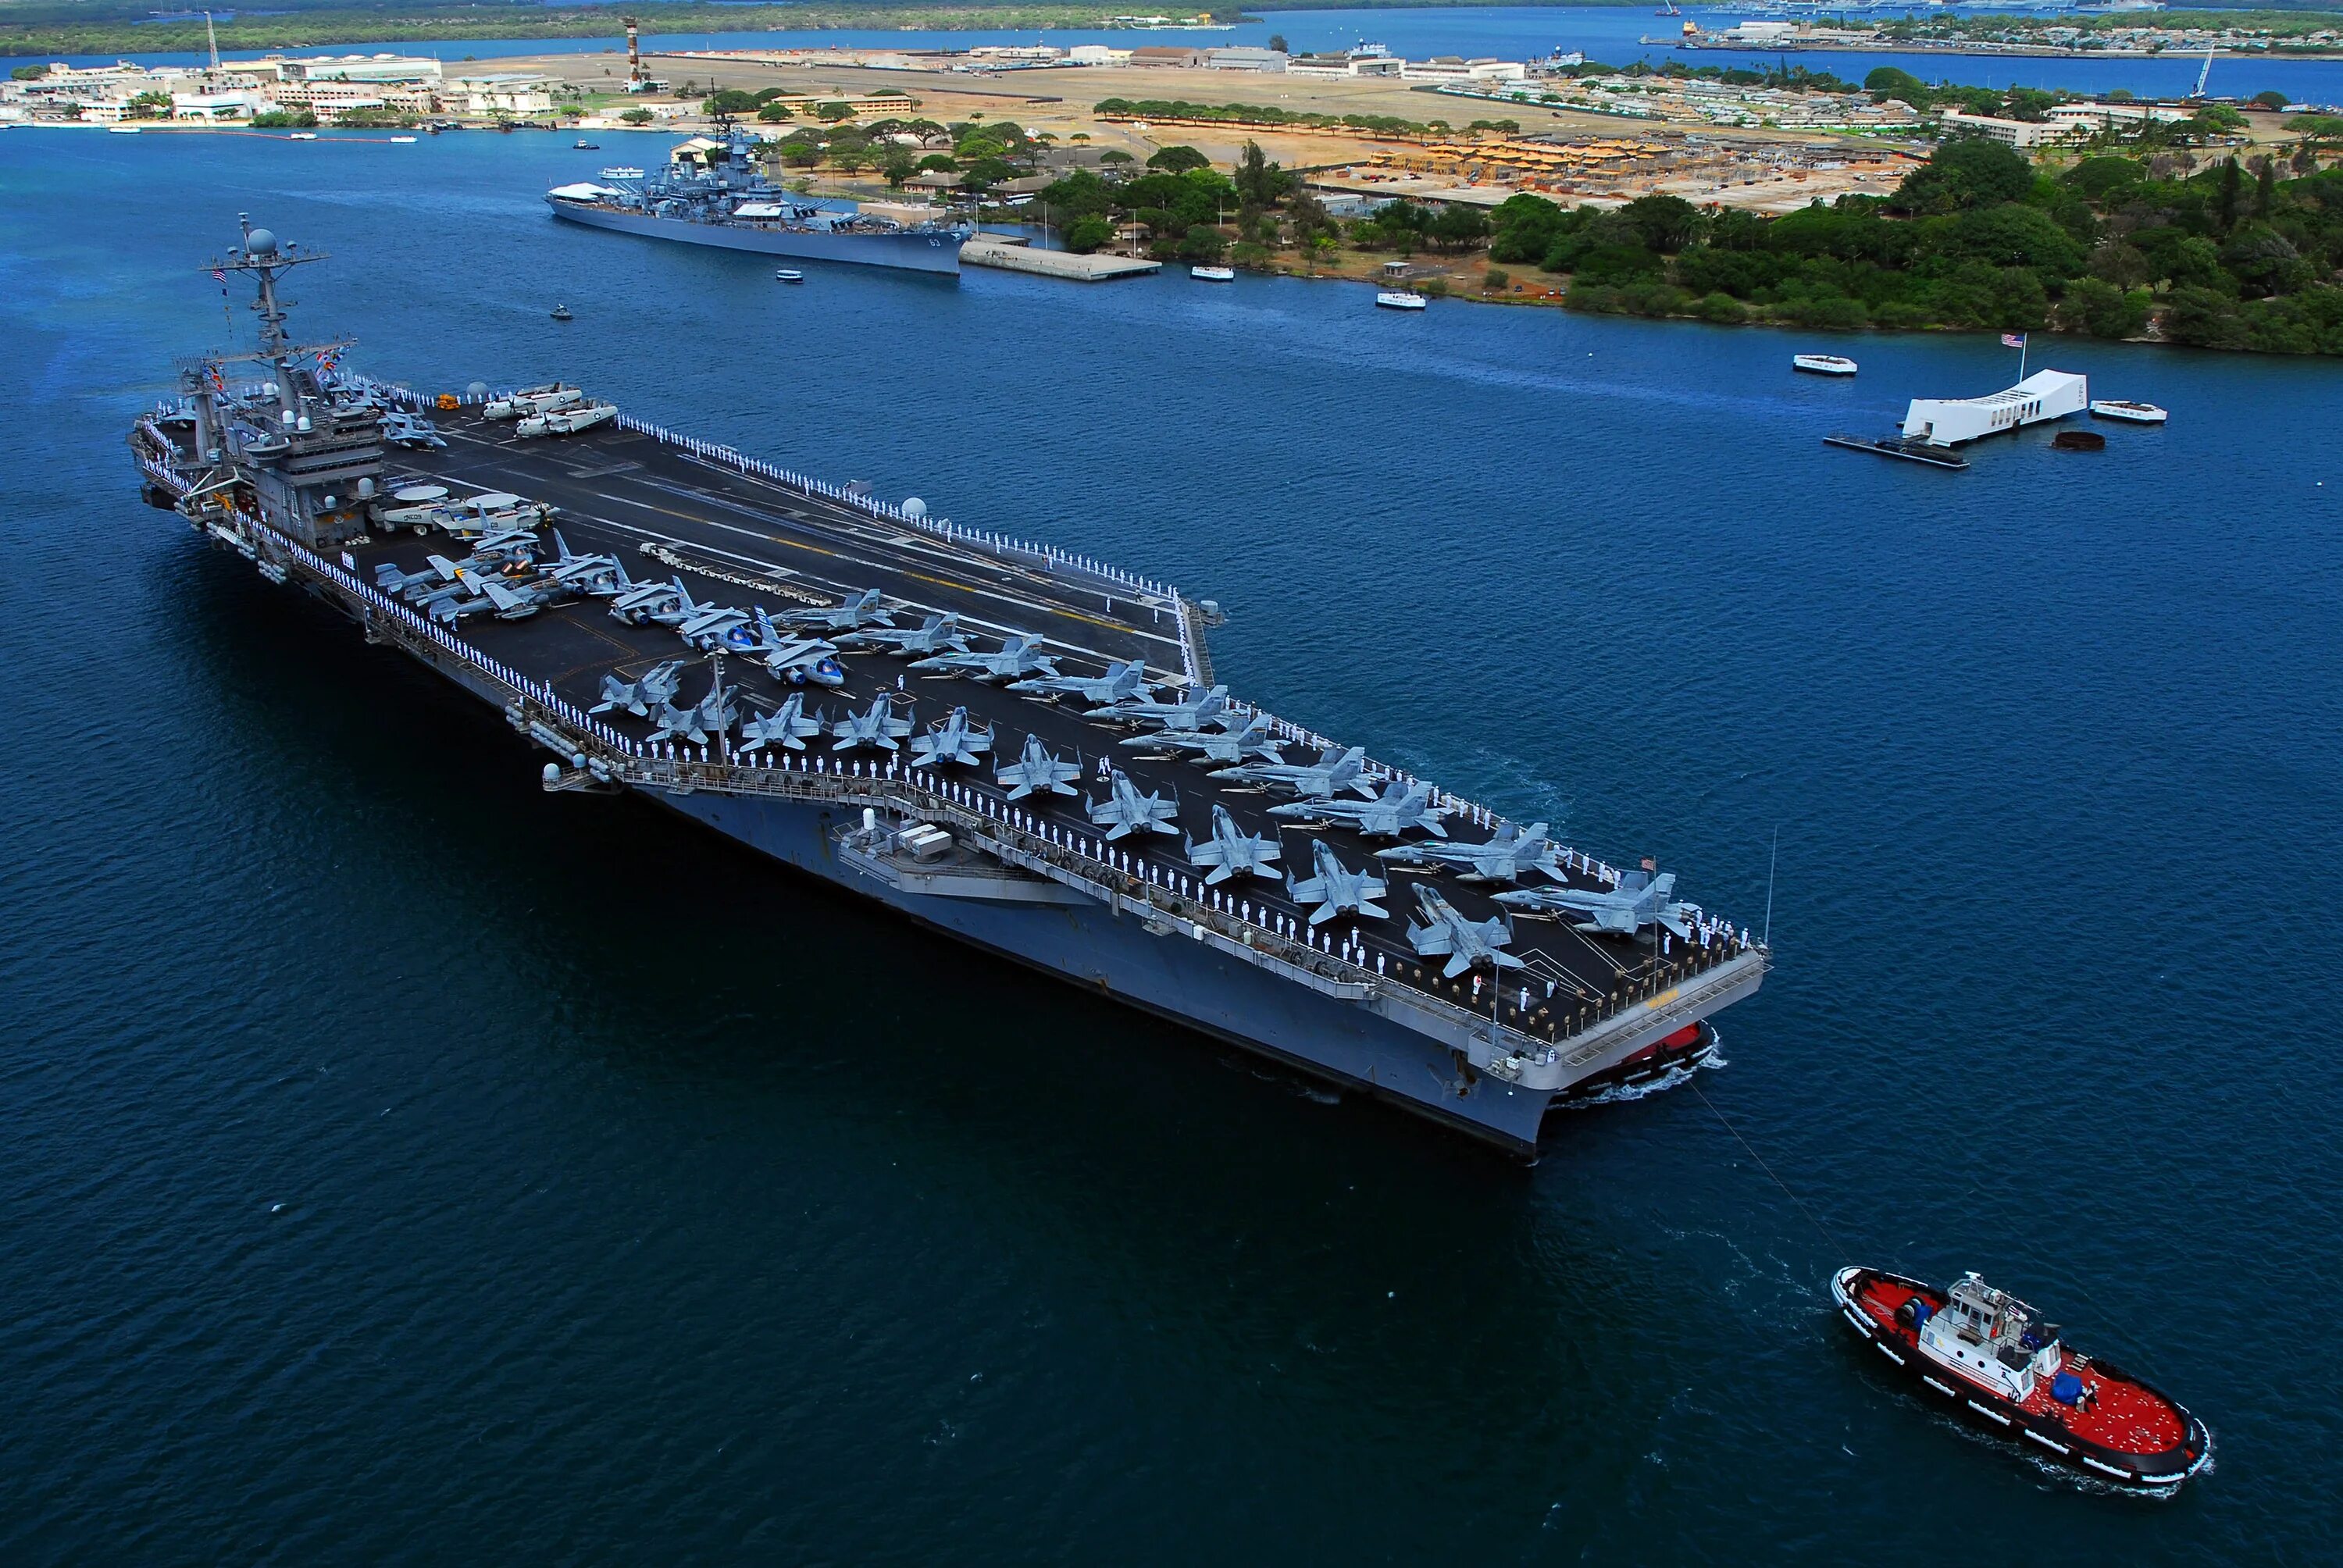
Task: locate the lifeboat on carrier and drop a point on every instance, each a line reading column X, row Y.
column 1992, row 1358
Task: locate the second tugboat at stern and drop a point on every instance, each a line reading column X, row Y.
column 1991, row 1355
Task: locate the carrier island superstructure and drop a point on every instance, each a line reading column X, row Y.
column 1013, row 745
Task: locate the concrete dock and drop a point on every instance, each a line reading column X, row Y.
column 1018, row 257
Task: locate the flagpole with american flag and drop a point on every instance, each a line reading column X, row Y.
column 2016, row 340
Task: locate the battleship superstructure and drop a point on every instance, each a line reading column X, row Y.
column 727, row 201
column 1020, row 747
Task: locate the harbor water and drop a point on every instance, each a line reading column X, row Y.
column 406, row 1165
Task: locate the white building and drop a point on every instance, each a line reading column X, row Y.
column 2010, row 133
column 2083, row 119
column 1241, row 58
column 1948, row 421
column 1097, row 54
column 508, row 92
column 221, row 104
column 376, row 68
column 1451, row 69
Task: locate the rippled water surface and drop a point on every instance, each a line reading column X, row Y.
column 402, row 1164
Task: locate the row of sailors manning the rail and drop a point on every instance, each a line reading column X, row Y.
column 502, row 578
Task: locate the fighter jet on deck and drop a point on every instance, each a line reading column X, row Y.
column 645, row 603
column 1640, row 900
column 1215, row 745
column 1512, row 855
column 401, row 428
column 788, row 726
column 713, row 628
column 515, row 600
column 1125, row 811
column 597, row 575
column 1316, row 781
column 1037, row 769
column 796, row 660
column 937, row 634
column 1188, row 716
column 878, row 727
column 1231, row 849
column 1465, row 944
column 1015, row 656
column 1336, row 889
column 1400, row 807
column 1121, row 682
column 711, row 716
column 952, row 740
column 859, row 609
column 657, row 689
column 437, row 571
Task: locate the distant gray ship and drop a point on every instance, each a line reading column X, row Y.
column 730, row 203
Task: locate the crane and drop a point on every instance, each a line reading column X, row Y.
column 2201, row 75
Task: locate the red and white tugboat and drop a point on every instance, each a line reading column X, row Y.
column 1992, row 1357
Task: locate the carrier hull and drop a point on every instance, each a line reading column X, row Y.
column 937, row 253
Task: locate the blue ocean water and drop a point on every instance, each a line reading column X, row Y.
column 405, row 1165
column 1613, row 34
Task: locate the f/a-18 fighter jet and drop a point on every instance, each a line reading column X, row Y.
column 1126, row 810
column 937, row 634
column 401, row 428
column 1465, row 944
column 598, row 575
column 1016, row 656
column 1336, row 889
column 513, row 601
column 1215, row 745
column 1640, row 900
column 711, row 715
column 787, row 726
column 1188, row 716
column 713, row 628
column 878, row 727
column 1509, row 857
column 1400, row 807
column 952, row 739
column 1122, row 681
column 1313, row 780
column 859, row 609
column 657, row 689
column 645, row 604
column 437, row 571
column 796, row 660
column 1231, row 849
column 1038, row 770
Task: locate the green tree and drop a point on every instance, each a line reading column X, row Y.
column 2103, row 310
column 773, row 114
column 1258, row 182
column 1665, row 223
column 898, row 167
column 1086, row 234
column 632, row 117
column 2271, row 100
column 1113, row 156
column 2231, row 189
column 1178, row 160
column 1965, row 173
column 831, row 113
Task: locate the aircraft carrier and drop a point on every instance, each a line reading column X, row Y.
column 1020, row 747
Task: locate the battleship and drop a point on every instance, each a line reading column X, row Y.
column 1022, row 748
column 727, row 202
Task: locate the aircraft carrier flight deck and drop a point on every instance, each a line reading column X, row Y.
column 1016, row 746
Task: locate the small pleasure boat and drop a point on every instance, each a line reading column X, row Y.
column 1214, row 274
column 1823, row 363
column 561, row 313
column 304, row 135
column 407, row 139
column 587, row 148
column 1401, row 299
column 789, row 275
column 1989, row 1356
column 2131, row 413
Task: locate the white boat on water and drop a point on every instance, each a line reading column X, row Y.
column 123, row 130
column 402, row 138
column 1823, row 363
column 1401, row 299
column 788, row 275
column 304, row 135
column 1214, row 274
column 2131, row 413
